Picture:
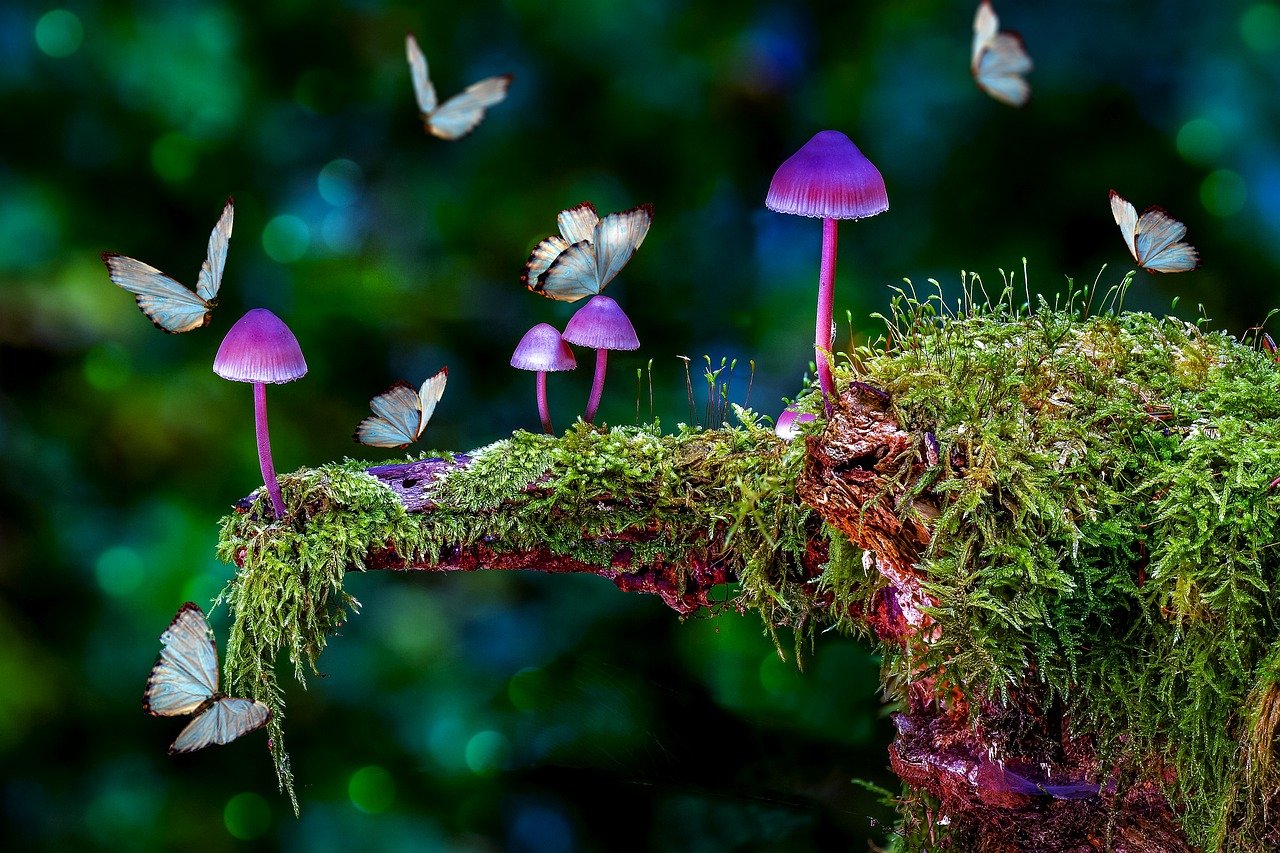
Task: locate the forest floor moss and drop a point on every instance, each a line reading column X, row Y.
column 1107, row 531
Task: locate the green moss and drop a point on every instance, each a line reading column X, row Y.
column 1105, row 527
column 730, row 490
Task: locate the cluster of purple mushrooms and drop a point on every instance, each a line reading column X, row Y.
column 828, row 178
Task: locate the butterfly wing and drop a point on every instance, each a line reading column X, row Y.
column 578, row 223
column 541, row 258
column 423, row 91
column 186, row 673
column 571, row 276
column 618, row 236
column 999, row 60
column 429, row 395
column 210, row 279
column 459, row 115
column 1158, row 243
column 985, row 26
column 169, row 305
column 1127, row 218
column 222, row 722
column 397, row 418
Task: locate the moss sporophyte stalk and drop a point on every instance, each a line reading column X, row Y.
column 1095, row 541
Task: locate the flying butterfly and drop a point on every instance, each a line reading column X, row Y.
column 587, row 253
column 185, row 681
column 1154, row 239
column 999, row 59
column 170, row 305
column 400, row 413
column 459, row 115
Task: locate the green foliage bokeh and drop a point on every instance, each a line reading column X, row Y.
column 521, row 712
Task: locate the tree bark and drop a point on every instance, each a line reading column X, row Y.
column 1005, row 778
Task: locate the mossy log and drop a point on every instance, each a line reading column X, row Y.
column 1058, row 530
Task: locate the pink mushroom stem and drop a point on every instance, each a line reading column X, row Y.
column 543, row 409
column 597, row 386
column 822, row 341
column 264, row 448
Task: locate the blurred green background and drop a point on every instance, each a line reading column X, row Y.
column 515, row 712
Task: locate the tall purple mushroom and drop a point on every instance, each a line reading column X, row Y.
column 829, row 178
column 601, row 325
column 542, row 349
column 259, row 348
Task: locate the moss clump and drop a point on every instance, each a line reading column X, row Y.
column 1106, row 532
column 729, row 491
column 1106, row 542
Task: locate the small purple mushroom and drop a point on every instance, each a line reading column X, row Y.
column 542, row 349
column 259, row 348
column 601, row 325
column 788, row 424
column 829, row 178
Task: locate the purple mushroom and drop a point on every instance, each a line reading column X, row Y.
column 788, row 424
column 829, row 178
column 542, row 349
column 601, row 325
column 259, row 348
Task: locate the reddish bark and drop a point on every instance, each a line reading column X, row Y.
column 1010, row 779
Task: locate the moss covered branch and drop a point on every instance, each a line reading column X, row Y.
column 1058, row 529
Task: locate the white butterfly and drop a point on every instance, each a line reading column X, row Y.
column 400, row 414
column 459, row 115
column 1154, row 238
column 588, row 253
column 170, row 305
column 185, row 681
column 999, row 59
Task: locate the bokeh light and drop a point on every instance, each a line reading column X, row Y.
column 59, row 33
column 285, row 238
column 371, row 789
column 247, row 816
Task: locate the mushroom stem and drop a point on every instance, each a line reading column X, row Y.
column 264, row 448
column 822, row 338
column 543, row 409
column 597, row 386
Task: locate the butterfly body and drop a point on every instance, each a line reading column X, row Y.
column 588, row 253
column 184, row 681
column 172, row 306
column 1154, row 238
column 459, row 115
column 401, row 413
column 999, row 60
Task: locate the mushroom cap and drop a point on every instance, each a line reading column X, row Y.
column 542, row 349
column 601, row 324
column 788, row 424
column 260, row 348
column 828, row 178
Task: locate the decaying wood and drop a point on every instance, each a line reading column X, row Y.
column 1009, row 777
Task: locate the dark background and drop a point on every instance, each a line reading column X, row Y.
column 516, row 712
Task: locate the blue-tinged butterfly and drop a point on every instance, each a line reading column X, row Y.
column 587, row 253
column 400, row 413
column 1154, row 239
column 459, row 115
column 999, row 59
column 185, row 681
column 170, row 305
